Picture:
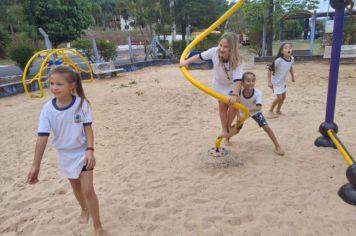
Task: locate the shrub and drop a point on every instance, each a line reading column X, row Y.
column 178, row 47
column 107, row 50
column 20, row 52
column 85, row 45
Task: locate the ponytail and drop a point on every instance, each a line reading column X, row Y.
column 79, row 89
column 272, row 67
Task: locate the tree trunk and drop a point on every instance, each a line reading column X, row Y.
column 269, row 27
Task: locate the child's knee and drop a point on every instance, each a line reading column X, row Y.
column 88, row 192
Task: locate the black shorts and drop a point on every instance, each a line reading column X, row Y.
column 85, row 169
column 260, row 119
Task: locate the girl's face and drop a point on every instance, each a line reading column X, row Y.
column 287, row 50
column 224, row 49
column 249, row 82
column 60, row 87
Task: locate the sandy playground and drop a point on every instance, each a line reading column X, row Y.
column 153, row 176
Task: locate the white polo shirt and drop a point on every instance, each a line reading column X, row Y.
column 251, row 101
column 66, row 123
column 282, row 67
column 221, row 72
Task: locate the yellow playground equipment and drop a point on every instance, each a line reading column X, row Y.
column 217, row 150
column 62, row 57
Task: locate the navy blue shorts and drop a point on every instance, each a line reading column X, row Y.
column 260, row 119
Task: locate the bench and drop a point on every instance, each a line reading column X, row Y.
column 347, row 51
column 135, row 42
column 105, row 68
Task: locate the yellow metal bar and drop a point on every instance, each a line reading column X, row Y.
column 44, row 65
column 340, row 147
column 202, row 87
column 25, row 72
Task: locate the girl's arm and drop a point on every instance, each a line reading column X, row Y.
column 195, row 58
column 41, row 144
column 292, row 73
column 89, row 154
column 269, row 78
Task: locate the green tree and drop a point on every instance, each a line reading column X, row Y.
column 62, row 20
column 257, row 13
column 200, row 14
column 4, row 40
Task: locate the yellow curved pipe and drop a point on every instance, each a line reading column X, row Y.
column 339, row 147
column 44, row 65
column 202, row 87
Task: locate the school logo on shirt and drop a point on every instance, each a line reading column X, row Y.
column 77, row 118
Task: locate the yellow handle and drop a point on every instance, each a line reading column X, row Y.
column 340, row 147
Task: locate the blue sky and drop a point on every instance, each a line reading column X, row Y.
column 323, row 6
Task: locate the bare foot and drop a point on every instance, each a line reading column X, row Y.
column 224, row 134
column 234, row 131
column 99, row 232
column 279, row 113
column 84, row 217
column 227, row 142
column 271, row 115
column 279, row 151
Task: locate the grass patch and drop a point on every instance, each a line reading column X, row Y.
column 6, row 62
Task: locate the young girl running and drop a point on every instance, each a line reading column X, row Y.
column 251, row 98
column 227, row 76
column 68, row 115
column 278, row 71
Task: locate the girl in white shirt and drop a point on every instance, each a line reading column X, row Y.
column 278, row 71
column 227, row 66
column 68, row 115
column 251, row 98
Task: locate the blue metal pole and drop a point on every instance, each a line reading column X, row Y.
column 334, row 65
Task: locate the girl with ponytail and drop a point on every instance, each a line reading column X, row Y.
column 68, row 115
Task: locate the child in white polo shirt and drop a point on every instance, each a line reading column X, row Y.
column 68, row 115
column 277, row 74
column 251, row 98
column 227, row 74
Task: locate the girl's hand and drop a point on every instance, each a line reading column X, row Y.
column 183, row 64
column 270, row 85
column 233, row 99
column 32, row 177
column 90, row 160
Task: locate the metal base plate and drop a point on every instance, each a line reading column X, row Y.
column 221, row 152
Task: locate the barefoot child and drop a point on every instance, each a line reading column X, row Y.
column 251, row 98
column 68, row 115
column 277, row 75
column 227, row 76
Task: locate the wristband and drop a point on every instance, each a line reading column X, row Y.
column 89, row 148
column 234, row 94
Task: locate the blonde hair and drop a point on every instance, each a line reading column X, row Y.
column 234, row 55
column 72, row 76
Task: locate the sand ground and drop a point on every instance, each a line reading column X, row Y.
column 153, row 175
